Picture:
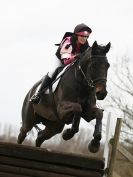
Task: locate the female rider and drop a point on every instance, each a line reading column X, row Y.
column 71, row 45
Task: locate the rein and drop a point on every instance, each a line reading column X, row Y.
column 89, row 82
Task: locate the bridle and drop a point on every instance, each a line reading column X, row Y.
column 90, row 82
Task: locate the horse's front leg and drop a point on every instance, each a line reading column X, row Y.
column 70, row 113
column 98, row 126
column 70, row 132
column 50, row 130
column 95, row 142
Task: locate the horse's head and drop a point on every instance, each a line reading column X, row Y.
column 98, row 68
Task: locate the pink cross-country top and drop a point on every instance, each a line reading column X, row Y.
column 66, row 51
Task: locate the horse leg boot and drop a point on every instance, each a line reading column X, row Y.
column 46, row 81
column 70, row 132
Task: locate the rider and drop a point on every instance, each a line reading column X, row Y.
column 71, row 45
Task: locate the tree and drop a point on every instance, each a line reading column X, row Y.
column 121, row 95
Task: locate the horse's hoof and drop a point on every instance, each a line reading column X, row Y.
column 98, row 137
column 67, row 134
column 94, row 146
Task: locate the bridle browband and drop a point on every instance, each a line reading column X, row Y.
column 91, row 82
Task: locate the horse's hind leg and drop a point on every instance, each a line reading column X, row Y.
column 23, row 133
column 47, row 133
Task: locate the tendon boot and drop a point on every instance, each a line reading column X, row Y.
column 46, row 81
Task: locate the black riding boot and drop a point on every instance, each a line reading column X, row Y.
column 46, row 81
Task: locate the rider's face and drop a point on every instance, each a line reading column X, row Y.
column 82, row 39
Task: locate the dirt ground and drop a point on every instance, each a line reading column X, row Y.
column 123, row 166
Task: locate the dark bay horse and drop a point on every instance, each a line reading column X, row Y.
column 75, row 97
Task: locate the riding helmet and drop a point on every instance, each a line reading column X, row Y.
column 82, row 27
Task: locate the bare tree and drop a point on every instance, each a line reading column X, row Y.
column 121, row 94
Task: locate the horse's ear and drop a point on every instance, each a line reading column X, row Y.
column 107, row 47
column 94, row 44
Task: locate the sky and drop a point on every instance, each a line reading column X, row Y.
column 30, row 28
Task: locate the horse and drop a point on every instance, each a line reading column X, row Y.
column 80, row 85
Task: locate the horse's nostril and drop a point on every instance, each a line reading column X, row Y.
column 101, row 95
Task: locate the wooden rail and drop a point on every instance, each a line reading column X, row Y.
column 24, row 161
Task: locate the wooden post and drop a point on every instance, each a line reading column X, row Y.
column 114, row 143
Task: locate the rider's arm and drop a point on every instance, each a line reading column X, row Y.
column 66, row 53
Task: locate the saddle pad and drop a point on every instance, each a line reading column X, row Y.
column 54, row 86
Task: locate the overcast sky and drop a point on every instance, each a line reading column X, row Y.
column 30, row 28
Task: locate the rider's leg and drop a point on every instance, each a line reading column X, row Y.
column 46, row 81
